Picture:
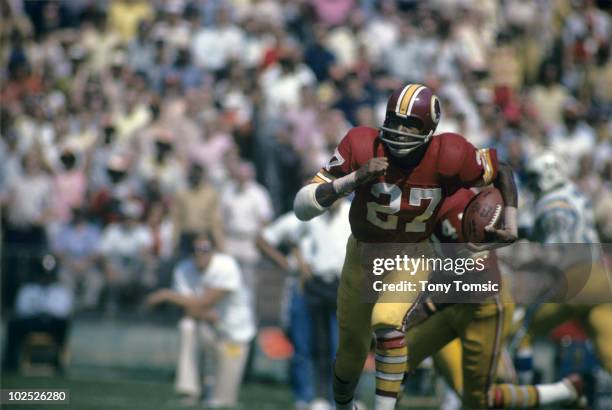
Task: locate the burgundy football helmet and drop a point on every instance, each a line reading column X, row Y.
column 412, row 106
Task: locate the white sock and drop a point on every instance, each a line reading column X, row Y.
column 384, row 403
column 553, row 393
column 450, row 400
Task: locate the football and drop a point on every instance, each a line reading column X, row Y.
column 484, row 209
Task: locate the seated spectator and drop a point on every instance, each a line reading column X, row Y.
column 574, row 137
column 125, row 248
column 318, row 57
column 160, row 225
column 213, row 47
column 118, row 186
column 69, row 184
column 208, row 285
column 163, row 166
column 282, row 82
column 43, row 305
column 76, row 245
column 354, row 96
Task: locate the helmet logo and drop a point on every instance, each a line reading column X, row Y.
column 436, row 111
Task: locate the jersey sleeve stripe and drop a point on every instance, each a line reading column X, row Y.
column 325, row 176
column 487, row 164
column 322, row 177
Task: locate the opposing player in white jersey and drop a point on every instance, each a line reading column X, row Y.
column 563, row 214
column 564, row 223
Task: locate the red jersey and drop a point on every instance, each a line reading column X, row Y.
column 401, row 206
column 448, row 226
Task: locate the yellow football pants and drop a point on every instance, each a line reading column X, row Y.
column 465, row 340
column 358, row 319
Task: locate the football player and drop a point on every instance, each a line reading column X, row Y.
column 564, row 223
column 400, row 173
column 472, row 333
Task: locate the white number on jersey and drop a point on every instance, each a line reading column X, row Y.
column 417, row 195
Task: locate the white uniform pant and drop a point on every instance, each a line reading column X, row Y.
column 224, row 363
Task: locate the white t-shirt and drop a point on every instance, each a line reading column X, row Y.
column 283, row 91
column 237, row 319
column 119, row 241
column 244, row 213
column 286, row 229
column 28, row 198
column 572, row 145
column 211, row 48
column 321, row 241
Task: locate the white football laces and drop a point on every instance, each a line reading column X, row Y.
column 495, row 218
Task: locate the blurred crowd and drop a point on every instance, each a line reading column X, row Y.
column 128, row 126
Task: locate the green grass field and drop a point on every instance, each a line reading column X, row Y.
column 118, row 392
column 115, row 393
column 117, row 365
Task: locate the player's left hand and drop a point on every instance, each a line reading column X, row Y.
column 498, row 239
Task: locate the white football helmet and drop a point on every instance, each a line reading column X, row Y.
column 545, row 172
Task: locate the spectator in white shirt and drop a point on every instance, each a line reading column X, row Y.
column 209, row 287
column 44, row 306
column 246, row 208
column 126, row 248
column 28, row 199
column 213, row 47
column 76, row 245
column 320, row 256
column 27, row 209
column 282, row 235
column 282, row 82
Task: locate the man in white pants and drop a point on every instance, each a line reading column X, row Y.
column 210, row 288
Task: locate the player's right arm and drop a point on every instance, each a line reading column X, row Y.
column 340, row 176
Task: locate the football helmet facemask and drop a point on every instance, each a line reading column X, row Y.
column 414, row 106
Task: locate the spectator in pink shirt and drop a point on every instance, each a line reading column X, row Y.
column 214, row 143
column 69, row 185
column 333, row 12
